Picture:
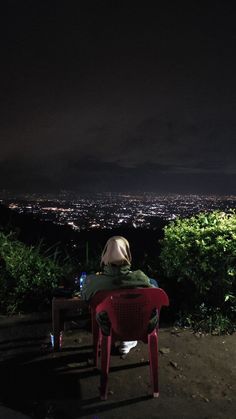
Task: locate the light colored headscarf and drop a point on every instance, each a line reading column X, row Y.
column 116, row 252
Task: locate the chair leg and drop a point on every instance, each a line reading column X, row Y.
column 153, row 359
column 96, row 343
column 105, row 364
column 97, row 346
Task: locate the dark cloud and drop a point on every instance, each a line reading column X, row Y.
column 89, row 175
column 24, row 176
column 116, row 96
column 205, row 145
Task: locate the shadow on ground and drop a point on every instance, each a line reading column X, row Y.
column 197, row 375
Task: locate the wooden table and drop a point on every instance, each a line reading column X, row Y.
column 60, row 304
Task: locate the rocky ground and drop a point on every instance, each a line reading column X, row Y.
column 197, row 375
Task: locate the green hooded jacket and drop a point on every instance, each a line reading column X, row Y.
column 112, row 278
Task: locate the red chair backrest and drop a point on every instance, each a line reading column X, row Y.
column 130, row 310
column 160, row 296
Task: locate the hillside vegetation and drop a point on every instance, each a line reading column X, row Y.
column 193, row 259
column 27, row 277
column 198, row 258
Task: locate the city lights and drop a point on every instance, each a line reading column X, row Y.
column 109, row 211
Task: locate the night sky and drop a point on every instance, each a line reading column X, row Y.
column 115, row 96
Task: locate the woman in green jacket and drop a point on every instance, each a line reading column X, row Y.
column 116, row 273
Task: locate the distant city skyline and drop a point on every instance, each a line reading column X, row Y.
column 98, row 96
column 109, row 211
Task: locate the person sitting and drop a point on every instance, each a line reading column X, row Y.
column 116, row 273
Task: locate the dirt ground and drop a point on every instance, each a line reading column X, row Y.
column 197, row 375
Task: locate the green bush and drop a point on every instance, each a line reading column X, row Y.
column 26, row 277
column 199, row 255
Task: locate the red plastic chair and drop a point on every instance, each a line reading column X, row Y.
column 129, row 312
column 97, row 299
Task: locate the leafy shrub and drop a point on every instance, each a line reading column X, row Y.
column 26, row 277
column 207, row 320
column 199, row 255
